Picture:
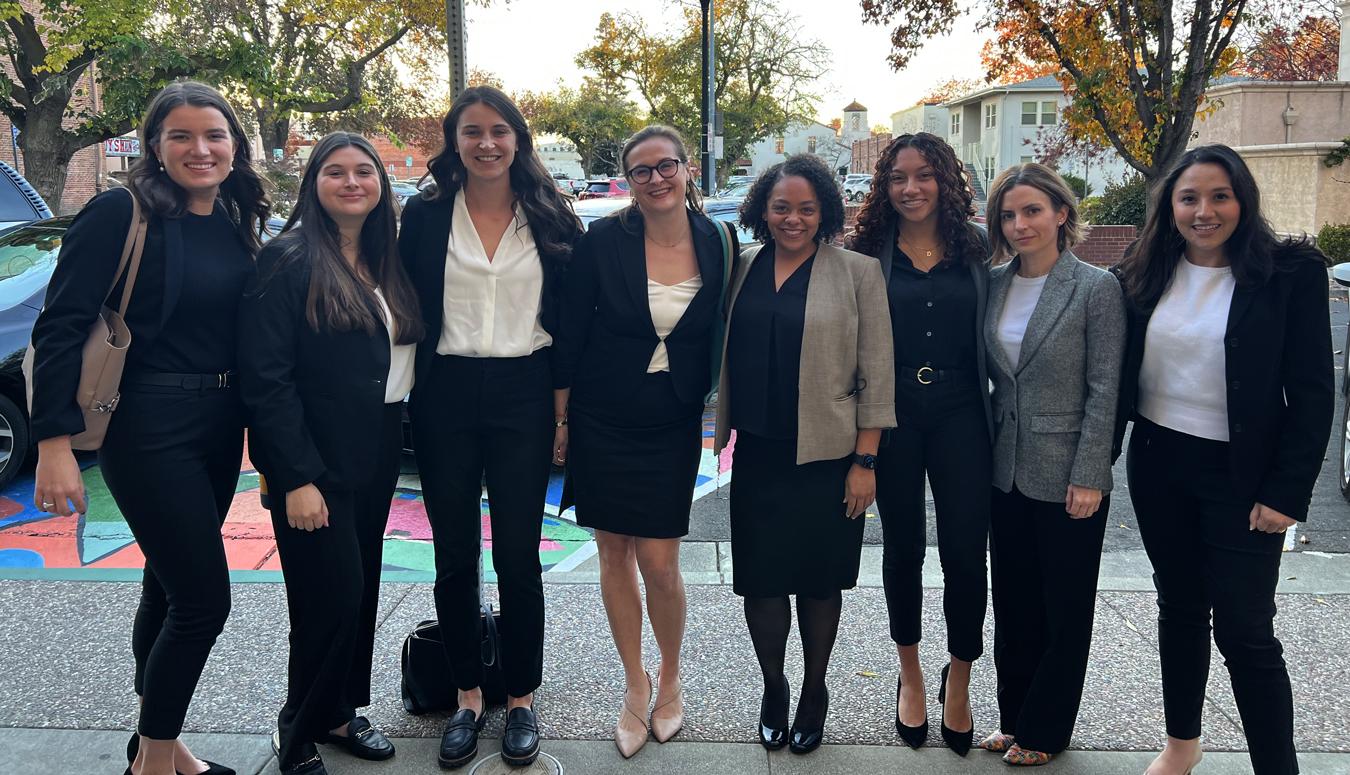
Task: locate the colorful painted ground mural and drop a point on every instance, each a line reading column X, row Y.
column 98, row 545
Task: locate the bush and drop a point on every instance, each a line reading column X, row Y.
column 1334, row 240
column 1080, row 187
column 1121, row 204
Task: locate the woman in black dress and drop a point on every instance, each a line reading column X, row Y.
column 808, row 385
column 916, row 221
column 1229, row 381
column 326, row 358
column 173, row 448
column 632, row 366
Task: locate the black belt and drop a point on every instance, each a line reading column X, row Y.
column 927, row 375
column 164, row 379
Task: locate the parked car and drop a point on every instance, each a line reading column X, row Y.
column 726, row 210
column 402, row 190
column 1341, row 274
column 603, row 188
column 856, row 187
column 736, row 190
column 19, row 202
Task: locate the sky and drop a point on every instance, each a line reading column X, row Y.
column 530, row 45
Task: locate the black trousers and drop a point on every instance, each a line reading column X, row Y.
column 171, row 461
column 490, row 417
column 942, row 433
column 1045, row 567
column 1206, row 561
column 332, row 594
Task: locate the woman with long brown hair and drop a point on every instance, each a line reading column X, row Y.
column 916, row 221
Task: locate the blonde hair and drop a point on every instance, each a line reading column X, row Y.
column 1048, row 182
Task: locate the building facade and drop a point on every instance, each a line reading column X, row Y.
column 811, row 137
column 561, row 158
column 924, row 117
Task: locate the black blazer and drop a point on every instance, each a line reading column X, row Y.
column 315, row 399
column 606, row 335
column 1281, row 389
column 979, row 272
column 424, row 236
column 90, row 251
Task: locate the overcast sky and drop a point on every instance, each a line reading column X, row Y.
column 530, row 45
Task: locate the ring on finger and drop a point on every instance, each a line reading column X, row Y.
column 47, row 505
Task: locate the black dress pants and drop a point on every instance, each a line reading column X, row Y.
column 1206, row 561
column 942, row 433
column 1045, row 567
column 171, row 461
column 490, row 417
column 332, row 594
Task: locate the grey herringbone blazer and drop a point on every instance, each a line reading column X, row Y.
column 847, row 378
column 1054, row 410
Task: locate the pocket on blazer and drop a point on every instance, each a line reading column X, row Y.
column 1069, row 422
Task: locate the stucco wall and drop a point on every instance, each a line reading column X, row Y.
column 1252, row 114
column 1298, row 193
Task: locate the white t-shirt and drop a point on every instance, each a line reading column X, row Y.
column 401, row 359
column 667, row 304
column 1017, row 308
column 1182, row 381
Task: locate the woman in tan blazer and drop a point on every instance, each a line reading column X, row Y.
column 808, row 383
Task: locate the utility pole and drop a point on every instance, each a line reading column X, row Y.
column 454, row 35
column 709, row 101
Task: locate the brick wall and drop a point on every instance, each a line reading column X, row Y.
column 393, row 155
column 866, row 152
column 84, row 176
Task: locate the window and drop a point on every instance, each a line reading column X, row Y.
column 1049, row 113
column 811, row 144
column 1028, row 159
column 1029, row 115
column 990, row 115
column 778, row 145
column 956, row 123
column 988, row 169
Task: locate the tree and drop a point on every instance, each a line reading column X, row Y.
column 52, row 45
column 1136, row 72
column 1012, row 66
column 1306, row 52
column 1055, row 146
column 950, row 89
column 595, row 118
column 765, row 66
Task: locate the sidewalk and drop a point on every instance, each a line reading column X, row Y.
column 65, row 702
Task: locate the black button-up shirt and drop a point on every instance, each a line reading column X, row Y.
column 932, row 314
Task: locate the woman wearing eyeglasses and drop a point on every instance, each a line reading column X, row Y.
column 633, row 362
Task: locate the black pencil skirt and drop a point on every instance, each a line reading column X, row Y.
column 632, row 461
column 789, row 533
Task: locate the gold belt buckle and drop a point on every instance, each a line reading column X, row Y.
column 919, row 375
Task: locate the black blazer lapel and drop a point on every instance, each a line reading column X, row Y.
column 432, row 257
column 173, row 267
column 1242, row 301
column 1058, row 291
column 708, row 253
column 631, row 254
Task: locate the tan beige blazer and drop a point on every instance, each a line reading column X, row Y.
column 848, row 363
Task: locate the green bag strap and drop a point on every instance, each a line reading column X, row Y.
column 720, row 322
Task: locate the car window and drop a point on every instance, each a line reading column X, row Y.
column 731, row 216
column 27, row 257
column 623, row 185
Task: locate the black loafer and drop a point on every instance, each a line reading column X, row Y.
column 363, row 741
column 310, row 766
column 459, row 741
column 520, row 741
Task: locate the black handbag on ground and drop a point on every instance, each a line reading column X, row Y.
column 427, row 686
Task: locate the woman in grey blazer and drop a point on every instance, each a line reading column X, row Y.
column 808, row 383
column 1055, row 337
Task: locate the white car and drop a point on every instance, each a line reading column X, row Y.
column 856, row 187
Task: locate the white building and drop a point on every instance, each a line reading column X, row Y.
column 855, row 126
column 931, row 118
column 997, row 127
column 561, row 158
column 813, row 137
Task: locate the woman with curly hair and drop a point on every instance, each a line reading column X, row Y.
column 807, row 382
column 916, row 222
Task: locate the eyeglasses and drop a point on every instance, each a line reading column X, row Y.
column 642, row 173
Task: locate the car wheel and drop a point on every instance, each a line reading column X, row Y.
column 13, row 440
column 1345, row 451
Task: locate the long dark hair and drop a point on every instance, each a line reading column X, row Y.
column 338, row 299
column 1254, row 251
column 242, row 193
column 550, row 217
column 810, row 168
column 955, row 205
column 693, row 198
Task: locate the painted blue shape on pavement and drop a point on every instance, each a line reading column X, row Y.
column 20, row 558
column 96, row 540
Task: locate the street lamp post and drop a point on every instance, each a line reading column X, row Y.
column 454, row 43
column 709, row 100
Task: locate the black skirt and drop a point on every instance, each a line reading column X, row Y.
column 632, row 461
column 789, row 533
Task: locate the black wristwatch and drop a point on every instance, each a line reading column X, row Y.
column 866, row 461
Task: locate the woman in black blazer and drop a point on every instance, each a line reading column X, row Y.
column 640, row 330
column 327, row 338
column 485, row 249
column 172, row 451
column 916, row 222
column 1228, row 378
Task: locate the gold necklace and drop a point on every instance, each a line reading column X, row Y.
column 654, row 241
column 927, row 252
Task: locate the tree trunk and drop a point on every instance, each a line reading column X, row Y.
column 46, row 157
column 274, row 130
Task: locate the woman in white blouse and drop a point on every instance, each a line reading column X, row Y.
column 1228, row 379
column 640, row 330
column 485, row 248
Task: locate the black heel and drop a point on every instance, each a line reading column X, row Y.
column 770, row 736
column 807, row 740
column 959, row 742
column 914, row 737
column 133, row 748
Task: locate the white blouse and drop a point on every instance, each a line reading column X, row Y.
column 491, row 308
column 667, row 304
column 1183, row 377
column 401, row 359
column 1017, row 308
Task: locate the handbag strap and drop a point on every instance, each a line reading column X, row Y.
column 131, row 254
